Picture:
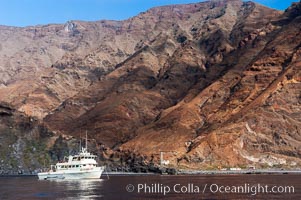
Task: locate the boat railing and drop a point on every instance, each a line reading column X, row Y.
column 52, row 168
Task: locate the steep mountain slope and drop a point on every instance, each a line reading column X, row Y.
column 251, row 115
column 210, row 84
column 161, row 73
column 42, row 66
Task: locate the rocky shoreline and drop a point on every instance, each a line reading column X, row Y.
column 169, row 171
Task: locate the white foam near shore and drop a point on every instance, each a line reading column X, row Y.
column 257, row 171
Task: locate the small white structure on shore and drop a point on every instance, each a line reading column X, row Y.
column 162, row 161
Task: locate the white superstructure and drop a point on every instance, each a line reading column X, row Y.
column 80, row 166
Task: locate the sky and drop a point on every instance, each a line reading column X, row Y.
column 33, row 12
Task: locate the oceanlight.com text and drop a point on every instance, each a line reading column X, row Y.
column 191, row 188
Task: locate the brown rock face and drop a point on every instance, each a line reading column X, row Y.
column 243, row 117
column 210, row 84
column 23, row 142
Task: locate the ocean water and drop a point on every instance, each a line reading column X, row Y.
column 127, row 187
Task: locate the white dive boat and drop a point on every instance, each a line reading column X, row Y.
column 80, row 166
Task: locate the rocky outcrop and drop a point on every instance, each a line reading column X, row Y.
column 28, row 147
column 22, row 147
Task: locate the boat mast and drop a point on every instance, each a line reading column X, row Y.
column 80, row 142
column 86, row 140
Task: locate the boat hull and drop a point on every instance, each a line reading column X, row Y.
column 87, row 174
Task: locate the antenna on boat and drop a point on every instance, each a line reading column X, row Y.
column 86, row 140
column 80, row 142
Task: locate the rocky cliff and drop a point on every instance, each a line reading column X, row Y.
column 211, row 84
